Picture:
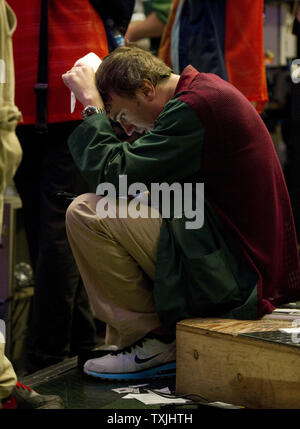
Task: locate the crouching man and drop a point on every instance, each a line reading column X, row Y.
column 144, row 274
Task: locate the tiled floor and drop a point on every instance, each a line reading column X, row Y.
column 80, row 391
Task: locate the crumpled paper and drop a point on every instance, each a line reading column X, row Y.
column 92, row 60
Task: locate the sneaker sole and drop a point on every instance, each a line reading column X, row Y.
column 161, row 371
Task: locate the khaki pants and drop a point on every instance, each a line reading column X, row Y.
column 10, row 157
column 116, row 259
column 10, row 152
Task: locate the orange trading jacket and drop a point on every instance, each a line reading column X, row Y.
column 74, row 29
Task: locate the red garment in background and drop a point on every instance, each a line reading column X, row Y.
column 244, row 49
column 165, row 42
column 74, row 29
column 253, row 200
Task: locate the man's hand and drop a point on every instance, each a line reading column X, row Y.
column 152, row 26
column 81, row 80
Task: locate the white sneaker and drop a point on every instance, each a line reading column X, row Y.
column 147, row 358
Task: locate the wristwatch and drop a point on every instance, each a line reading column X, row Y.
column 91, row 110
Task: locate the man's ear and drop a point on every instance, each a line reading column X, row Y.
column 148, row 89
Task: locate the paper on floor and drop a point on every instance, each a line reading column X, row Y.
column 153, row 398
column 290, row 330
column 129, row 389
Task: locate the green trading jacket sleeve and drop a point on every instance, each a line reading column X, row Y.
column 169, row 153
column 160, row 7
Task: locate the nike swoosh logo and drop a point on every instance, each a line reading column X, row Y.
column 138, row 360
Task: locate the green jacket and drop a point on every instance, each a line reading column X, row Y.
column 199, row 272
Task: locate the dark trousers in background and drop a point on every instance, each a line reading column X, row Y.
column 61, row 320
column 293, row 174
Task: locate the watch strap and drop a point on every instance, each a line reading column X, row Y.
column 91, row 110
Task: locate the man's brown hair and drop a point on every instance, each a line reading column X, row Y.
column 123, row 71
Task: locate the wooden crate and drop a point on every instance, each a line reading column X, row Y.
column 225, row 360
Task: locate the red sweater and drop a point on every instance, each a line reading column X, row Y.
column 74, row 29
column 254, row 202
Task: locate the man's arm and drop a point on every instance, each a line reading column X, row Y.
column 157, row 12
column 169, row 153
column 81, row 80
column 152, row 26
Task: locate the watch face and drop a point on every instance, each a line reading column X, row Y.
column 90, row 110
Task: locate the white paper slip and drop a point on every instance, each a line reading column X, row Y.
column 91, row 60
column 163, row 390
column 295, row 71
column 129, row 389
column 290, row 330
column 152, row 398
column 287, row 311
column 219, row 404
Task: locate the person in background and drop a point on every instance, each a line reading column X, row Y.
column 13, row 395
column 157, row 12
column 62, row 323
column 221, row 37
